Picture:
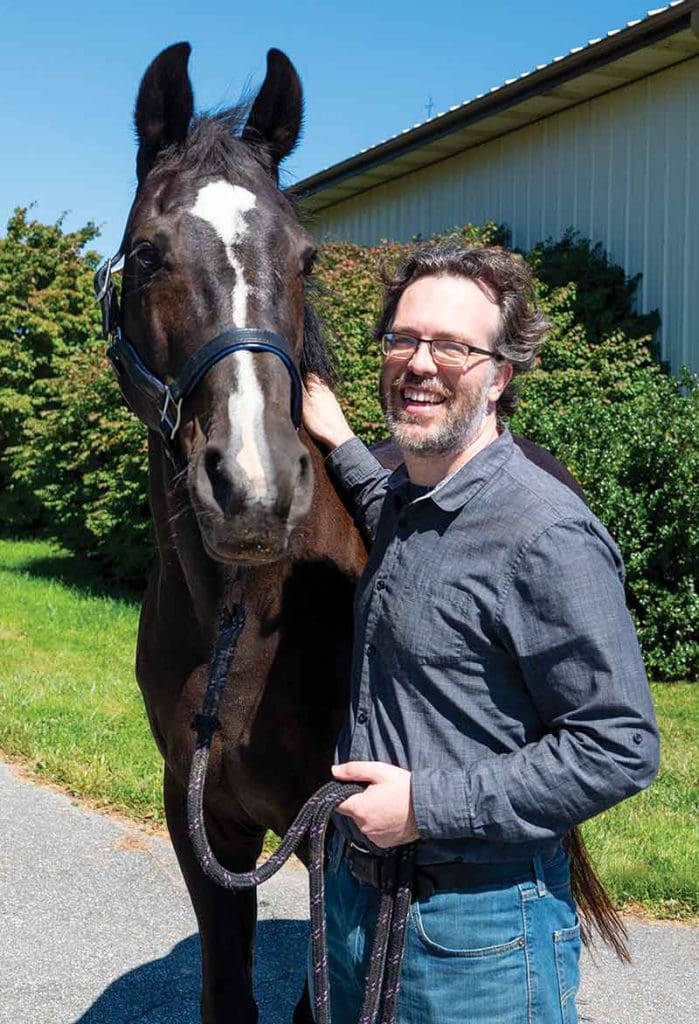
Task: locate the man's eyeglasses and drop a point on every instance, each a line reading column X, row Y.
column 445, row 353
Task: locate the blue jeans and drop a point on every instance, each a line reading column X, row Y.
column 503, row 954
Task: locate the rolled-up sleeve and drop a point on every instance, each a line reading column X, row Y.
column 362, row 480
column 563, row 619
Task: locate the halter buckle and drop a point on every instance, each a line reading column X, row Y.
column 104, row 276
column 164, row 413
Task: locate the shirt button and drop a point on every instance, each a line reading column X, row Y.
column 637, row 738
column 370, row 649
column 362, row 718
column 381, row 584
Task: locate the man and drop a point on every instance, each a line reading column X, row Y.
column 498, row 692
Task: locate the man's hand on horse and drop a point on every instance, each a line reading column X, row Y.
column 322, row 416
column 384, row 811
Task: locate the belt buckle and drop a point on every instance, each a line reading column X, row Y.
column 365, row 866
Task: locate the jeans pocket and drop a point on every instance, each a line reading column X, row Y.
column 466, row 960
column 567, row 952
column 473, row 923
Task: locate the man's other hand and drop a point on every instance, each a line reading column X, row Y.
column 322, row 416
column 384, row 811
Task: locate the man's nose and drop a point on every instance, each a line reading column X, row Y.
column 421, row 362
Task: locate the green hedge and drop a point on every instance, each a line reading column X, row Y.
column 598, row 400
column 47, row 308
column 84, row 456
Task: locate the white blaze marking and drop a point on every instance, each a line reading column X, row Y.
column 245, row 412
column 224, row 206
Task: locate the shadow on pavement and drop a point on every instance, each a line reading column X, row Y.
column 166, row 991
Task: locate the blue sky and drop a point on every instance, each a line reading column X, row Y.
column 69, row 75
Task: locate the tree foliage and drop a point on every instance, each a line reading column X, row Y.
column 84, row 455
column 598, row 400
column 629, row 432
column 47, row 307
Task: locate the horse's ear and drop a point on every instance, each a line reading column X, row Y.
column 277, row 112
column 164, row 105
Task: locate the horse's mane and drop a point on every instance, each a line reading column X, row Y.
column 316, row 357
column 214, row 141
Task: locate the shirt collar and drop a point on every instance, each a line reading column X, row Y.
column 457, row 489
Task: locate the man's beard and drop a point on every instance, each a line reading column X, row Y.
column 465, row 415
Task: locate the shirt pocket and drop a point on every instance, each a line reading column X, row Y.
column 432, row 625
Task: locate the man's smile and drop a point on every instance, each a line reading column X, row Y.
column 418, row 398
column 412, row 396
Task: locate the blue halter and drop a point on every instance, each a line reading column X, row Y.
column 167, row 399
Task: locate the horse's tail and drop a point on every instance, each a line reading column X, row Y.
column 597, row 910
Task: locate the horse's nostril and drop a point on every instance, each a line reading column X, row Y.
column 304, row 467
column 212, row 461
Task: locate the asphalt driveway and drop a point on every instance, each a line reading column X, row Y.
column 96, row 928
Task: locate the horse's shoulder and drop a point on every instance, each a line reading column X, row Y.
column 543, row 458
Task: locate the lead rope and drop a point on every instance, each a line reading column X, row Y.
column 383, row 979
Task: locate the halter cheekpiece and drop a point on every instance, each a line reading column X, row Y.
column 167, row 399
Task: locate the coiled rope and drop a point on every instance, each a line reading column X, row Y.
column 383, row 978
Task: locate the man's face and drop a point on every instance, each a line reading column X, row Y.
column 431, row 409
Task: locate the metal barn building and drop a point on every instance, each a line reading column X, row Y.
column 605, row 139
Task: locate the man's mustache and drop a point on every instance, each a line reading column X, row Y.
column 434, row 385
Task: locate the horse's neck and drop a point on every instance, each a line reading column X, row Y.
column 327, row 535
column 329, row 532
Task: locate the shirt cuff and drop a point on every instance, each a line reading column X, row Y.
column 440, row 803
column 352, row 463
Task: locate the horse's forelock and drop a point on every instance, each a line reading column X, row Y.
column 212, row 143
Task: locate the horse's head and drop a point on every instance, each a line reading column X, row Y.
column 211, row 245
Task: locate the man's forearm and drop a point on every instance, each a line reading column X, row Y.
column 362, row 479
column 537, row 792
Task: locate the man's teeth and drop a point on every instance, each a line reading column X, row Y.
column 426, row 397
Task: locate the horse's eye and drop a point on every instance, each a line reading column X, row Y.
column 147, row 257
column 308, row 261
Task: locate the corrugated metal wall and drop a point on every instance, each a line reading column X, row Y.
column 623, row 169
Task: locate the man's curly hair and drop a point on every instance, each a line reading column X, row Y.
column 522, row 327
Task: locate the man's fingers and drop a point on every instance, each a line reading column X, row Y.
column 349, row 806
column 359, row 771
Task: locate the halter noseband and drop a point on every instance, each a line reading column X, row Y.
column 167, row 399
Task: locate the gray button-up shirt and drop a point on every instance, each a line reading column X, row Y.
column 494, row 655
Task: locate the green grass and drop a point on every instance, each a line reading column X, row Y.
column 648, row 847
column 69, row 704
column 71, row 711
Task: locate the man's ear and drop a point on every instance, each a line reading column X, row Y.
column 501, row 380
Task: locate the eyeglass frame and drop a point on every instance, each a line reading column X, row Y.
column 467, row 346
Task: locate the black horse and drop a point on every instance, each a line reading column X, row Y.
column 212, row 245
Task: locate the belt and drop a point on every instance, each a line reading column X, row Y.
column 367, row 868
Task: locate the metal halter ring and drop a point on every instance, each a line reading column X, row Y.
column 164, row 418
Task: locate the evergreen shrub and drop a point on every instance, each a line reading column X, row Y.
column 84, row 457
column 47, row 307
column 598, row 400
column 629, row 432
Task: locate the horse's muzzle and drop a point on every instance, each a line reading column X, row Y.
column 246, row 515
